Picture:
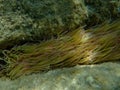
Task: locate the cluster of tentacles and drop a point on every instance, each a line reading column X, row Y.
column 77, row 47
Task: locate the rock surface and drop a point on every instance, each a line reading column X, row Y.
column 34, row 20
column 102, row 10
column 104, row 76
column 22, row 21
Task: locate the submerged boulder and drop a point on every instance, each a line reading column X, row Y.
column 102, row 10
column 35, row 20
column 24, row 21
column 105, row 76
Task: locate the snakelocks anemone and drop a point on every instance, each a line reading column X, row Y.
column 80, row 46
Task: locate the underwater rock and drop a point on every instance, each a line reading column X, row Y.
column 23, row 21
column 102, row 10
column 104, row 76
column 36, row 20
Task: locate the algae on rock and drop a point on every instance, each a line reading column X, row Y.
column 102, row 10
column 37, row 20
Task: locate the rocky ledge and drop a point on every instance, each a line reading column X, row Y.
column 105, row 76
